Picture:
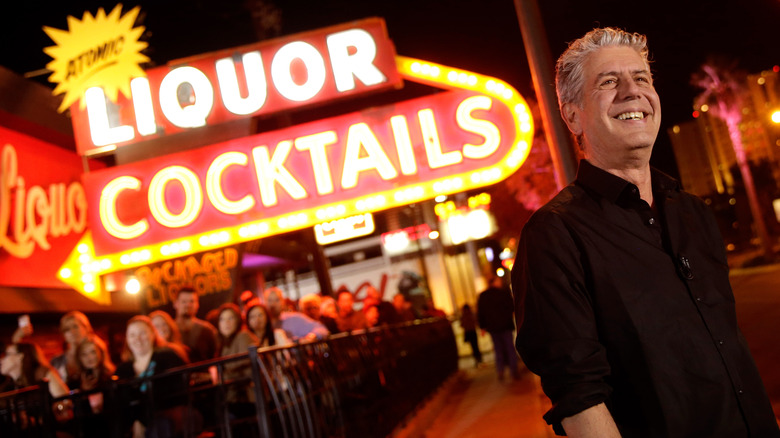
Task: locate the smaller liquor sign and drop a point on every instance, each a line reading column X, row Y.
column 279, row 74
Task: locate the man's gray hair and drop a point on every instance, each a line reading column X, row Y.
column 568, row 70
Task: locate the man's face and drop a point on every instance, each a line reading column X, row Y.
column 621, row 112
column 273, row 301
column 311, row 309
column 345, row 303
column 186, row 304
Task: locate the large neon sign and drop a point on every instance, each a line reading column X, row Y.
column 240, row 190
column 279, row 74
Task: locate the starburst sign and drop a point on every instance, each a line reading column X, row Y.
column 100, row 51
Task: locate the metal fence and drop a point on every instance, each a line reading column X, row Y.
column 362, row 384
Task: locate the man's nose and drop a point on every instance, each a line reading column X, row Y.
column 628, row 89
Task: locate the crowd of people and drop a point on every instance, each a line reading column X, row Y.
column 158, row 342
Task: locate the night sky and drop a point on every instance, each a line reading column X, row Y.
column 482, row 36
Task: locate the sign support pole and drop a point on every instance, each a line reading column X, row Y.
column 541, row 65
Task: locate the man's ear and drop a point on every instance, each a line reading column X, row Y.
column 571, row 115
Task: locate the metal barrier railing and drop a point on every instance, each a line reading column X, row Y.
column 362, row 384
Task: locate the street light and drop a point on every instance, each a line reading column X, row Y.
column 776, row 117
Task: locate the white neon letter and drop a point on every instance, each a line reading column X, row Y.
column 214, row 186
column 190, row 115
column 142, row 104
column 255, row 84
column 436, row 158
column 282, row 75
column 270, row 170
column 360, row 134
column 315, row 144
column 360, row 64
column 108, row 216
column 99, row 123
column 193, row 197
column 403, row 143
column 480, row 127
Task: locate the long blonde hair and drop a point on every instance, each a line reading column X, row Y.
column 157, row 341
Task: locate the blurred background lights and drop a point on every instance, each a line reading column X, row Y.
column 133, row 286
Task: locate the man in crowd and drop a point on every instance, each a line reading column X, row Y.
column 311, row 306
column 386, row 310
column 348, row 319
column 198, row 335
column 621, row 285
column 495, row 315
column 403, row 308
column 298, row 326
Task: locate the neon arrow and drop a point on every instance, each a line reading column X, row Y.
column 82, row 269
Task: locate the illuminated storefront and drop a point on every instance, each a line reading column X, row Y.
column 186, row 212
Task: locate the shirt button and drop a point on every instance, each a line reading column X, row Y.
column 698, row 299
column 651, row 221
column 740, row 392
column 720, row 342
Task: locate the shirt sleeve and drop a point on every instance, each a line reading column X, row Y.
column 557, row 332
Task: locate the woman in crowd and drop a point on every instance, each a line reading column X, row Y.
column 260, row 324
column 75, row 327
column 25, row 363
column 145, row 355
column 234, row 338
column 96, row 369
column 167, row 328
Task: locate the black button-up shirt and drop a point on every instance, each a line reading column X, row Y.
column 629, row 305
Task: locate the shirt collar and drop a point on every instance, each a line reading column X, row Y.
column 612, row 187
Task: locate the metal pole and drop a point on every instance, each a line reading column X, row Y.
column 541, row 65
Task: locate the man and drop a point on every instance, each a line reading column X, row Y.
column 311, row 306
column 403, row 308
column 198, row 335
column 298, row 326
column 495, row 315
column 386, row 311
column 348, row 319
column 621, row 285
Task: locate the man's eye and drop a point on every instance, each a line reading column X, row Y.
column 608, row 82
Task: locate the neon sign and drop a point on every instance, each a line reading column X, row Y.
column 262, row 185
column 276, row 75
column 344, row 228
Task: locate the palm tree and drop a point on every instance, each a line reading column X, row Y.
column 723, row 92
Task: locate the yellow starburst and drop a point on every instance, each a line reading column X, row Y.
column 101, row 51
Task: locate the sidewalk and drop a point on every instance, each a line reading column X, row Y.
column 474, row 404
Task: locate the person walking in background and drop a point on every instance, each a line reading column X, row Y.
column 198, row 335
column 495, row 315
column 624, row 305
column 469, row 324
column 259, row 323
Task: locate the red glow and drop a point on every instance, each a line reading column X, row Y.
column 776, row 68
column 695, row 114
